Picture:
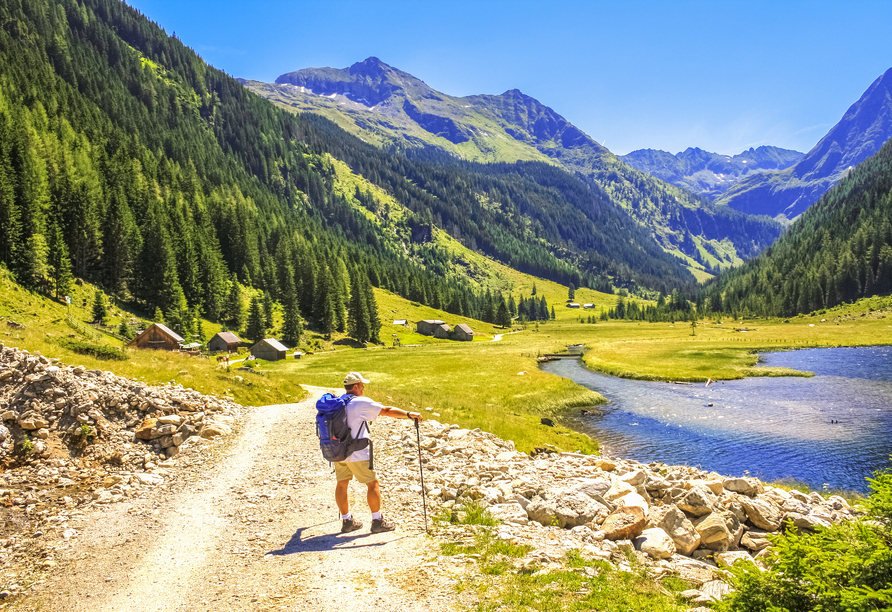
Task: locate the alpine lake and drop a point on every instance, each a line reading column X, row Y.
column 829, row 431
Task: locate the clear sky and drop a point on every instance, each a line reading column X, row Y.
column 722, row 76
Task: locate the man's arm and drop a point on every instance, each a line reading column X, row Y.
column 398, row 413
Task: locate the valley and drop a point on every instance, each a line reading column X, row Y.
column 266, row 238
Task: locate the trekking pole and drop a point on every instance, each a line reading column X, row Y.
column 421, row 470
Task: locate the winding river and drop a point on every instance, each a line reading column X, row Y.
column 831, row 430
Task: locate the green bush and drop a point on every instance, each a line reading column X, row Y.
column 99, row 351
column 843, row 568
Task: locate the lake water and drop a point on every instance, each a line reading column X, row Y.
column 773, row 428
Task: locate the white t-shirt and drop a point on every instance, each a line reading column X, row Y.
column 361, row 409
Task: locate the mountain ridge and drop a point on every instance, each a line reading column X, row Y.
column 706, row 173
column 513, row 127
column 859, row 134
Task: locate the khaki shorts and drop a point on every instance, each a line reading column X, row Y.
column 359, row 469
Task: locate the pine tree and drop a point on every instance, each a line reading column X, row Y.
column 267, row 310
column 256, row 329
column 100, row 307
column 235, row 313
column 372, row 308
column 357, row 312
column 503, row 319
column 571, row 292
column 59, row 263
column 292, row 325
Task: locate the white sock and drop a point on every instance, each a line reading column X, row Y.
column 376, row 516
column 347, row 517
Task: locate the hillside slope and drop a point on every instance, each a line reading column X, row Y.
column 838, row 251
column 863, row 129
column 390, row 108
column 127, row 161
column 709, row 174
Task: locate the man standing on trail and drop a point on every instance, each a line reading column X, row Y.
column 361, row 409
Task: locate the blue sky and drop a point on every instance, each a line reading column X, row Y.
column 722, row 76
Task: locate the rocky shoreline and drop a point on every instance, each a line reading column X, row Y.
column 671, row 519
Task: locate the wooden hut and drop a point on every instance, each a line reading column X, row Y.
column 463, row 332
column 442, row 331
column 224, row 341
column 428, row 326
column 269, row 349
column 158, row 336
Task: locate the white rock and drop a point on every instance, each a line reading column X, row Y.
column 656, row 543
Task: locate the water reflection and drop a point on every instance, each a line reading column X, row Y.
column 771, row 427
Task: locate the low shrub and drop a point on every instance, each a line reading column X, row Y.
column 843, row 568
column 99, row 351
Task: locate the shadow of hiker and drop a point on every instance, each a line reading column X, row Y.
column 326, row 541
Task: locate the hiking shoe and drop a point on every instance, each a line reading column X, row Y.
column 380, row 526
column 351, row 525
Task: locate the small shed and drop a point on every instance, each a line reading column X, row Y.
column 157, row 336
column 428, row 326
column 463, row 332
column 588, row 305
column 442, row 331
column 403, row 322
column 269, row 349
column 573, row 305
column 224, row 341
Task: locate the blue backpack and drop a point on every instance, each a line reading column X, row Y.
column 335, row 439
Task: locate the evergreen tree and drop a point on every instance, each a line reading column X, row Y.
column 234, row 308
column 256, row 325
column 124, row 330
column 100, row 307
column 292, row 325
column 571, row 293
column 358, row 326
column 59, row 263
column 35, row 269
column 267, row 310
column 503, row 319
column 372, row 309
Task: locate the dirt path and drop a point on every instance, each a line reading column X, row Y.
column 257, row 529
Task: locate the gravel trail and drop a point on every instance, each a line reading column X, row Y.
column 256, row 528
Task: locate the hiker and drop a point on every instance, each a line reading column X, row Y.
column 359, row 410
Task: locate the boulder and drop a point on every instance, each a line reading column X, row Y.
column 746, row 486
column 509, row 513
column 593, row 487
column 212, row 429
column 714, row 532
column 33, row 422
column 728, row 559
column 755, row 540
column 806, row 522
column 634, row 478
column 605, row 464
column 656, row 543
column 566, row 509
column 633, row 499
column 674, row 522
column 619, row 489
column 699, row 501
column 761, row 513
column 624, row 523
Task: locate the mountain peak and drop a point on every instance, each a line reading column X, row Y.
column 371, row 66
